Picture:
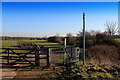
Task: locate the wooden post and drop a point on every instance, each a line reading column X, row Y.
column 71, row 53
column 65, row 43
column 37, row 62
column 79, row 54
column 8, row 57
column 64, row 54
column 48, row 57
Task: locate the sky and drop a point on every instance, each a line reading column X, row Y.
column 60, row 0
column 39, row 19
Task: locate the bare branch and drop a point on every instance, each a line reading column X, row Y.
column 111, row 28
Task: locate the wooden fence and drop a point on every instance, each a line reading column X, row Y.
column 16, row 55
column 33, row 56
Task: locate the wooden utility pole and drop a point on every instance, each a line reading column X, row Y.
column 83, row 38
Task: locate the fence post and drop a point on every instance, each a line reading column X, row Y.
column 79, row 54
column 64, row 54
column 48, row 57
column 71, row 53
column 37, row 62
column 8, row 57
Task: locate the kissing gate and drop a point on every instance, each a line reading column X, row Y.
column 18, row 57
column 64, row 55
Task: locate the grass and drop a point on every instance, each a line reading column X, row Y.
column 12, row 43
column 74, row 72
column 118, row 40
column 9, row 43
column 87, row 71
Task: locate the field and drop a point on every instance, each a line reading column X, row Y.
column 79, row 71
column 12, row 43
column 118, row 40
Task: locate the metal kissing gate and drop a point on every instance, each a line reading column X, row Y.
column 64, row 55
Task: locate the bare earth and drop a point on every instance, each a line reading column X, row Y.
column 11, row 73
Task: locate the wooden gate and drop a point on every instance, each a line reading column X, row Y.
column 24, row 56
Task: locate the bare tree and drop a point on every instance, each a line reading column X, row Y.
column 111, row 28
column 88, row 34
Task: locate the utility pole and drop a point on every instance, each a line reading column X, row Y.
column 83, row 38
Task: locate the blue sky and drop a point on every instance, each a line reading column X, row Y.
column 38, row 19
column 60, row 0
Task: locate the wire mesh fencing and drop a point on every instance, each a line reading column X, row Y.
column 64, row 55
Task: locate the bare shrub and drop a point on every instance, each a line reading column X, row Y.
column 55, row 39
column 26, row 44
column 103, row 54
column 70, row 39
column 111, row 28
column 102, row 38
column 90, row 37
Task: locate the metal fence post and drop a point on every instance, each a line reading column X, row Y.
column 83, row 38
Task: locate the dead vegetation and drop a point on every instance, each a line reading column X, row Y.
column 103, row 54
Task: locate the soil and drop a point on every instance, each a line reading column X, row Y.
column 9, row 73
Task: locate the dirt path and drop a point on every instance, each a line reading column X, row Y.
column 35, row 72
column 9, row 73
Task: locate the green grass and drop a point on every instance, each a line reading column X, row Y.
column 118, row 40
column 88, row 71
column 8, row 43
column 11, row 43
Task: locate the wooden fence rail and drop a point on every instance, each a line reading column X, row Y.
column 23, row 56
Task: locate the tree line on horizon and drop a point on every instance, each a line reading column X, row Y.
column 92, row 37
